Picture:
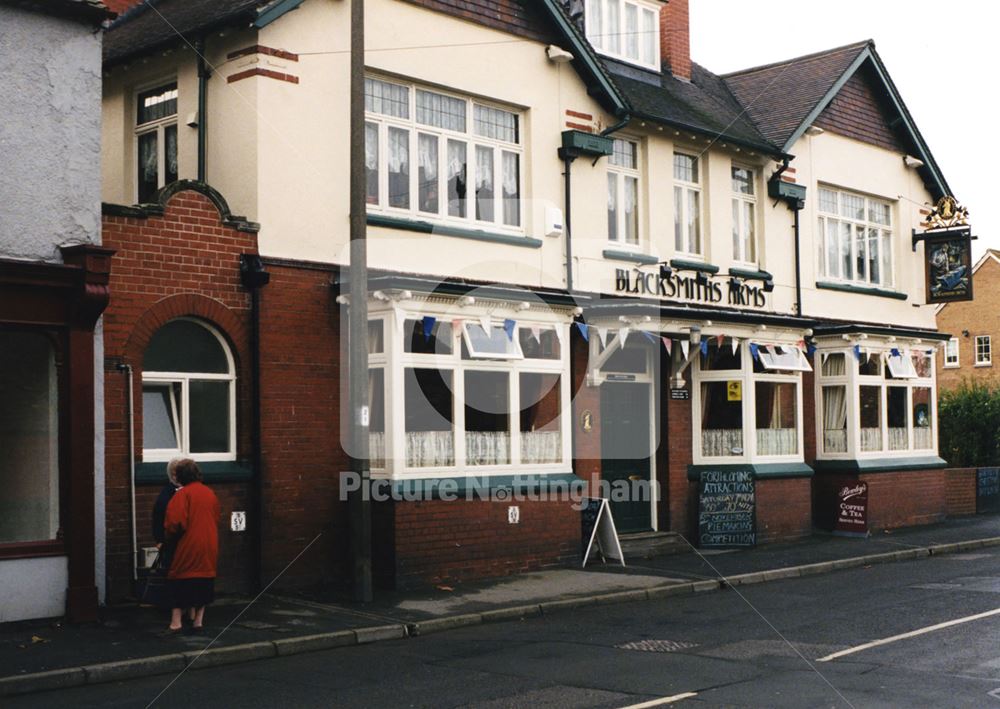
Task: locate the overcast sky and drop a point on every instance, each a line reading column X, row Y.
column 943, row 57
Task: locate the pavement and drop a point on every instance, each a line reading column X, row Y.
column 126, row 643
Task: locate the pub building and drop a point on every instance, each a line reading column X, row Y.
column 626, row 269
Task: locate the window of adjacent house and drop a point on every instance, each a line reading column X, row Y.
column 623, row 192
column 687, row 204
column 951, row 353
column 438, row 156
column 744, row 214
column 29, row 437
column 625, row 29
column 491, row 398
column 188, row 394
column 156, row 140
column 984, row 352
column 855, row 243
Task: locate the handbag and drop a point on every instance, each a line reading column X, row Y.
column 154, row 589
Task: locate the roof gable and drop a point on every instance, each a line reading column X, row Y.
column 859, row 112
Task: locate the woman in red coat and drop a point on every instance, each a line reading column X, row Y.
column 192, row 522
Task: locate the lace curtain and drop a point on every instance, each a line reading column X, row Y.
column 835, row 419
column 541, row 447
column 487, row 447
column 428, row 149
column 425, row 449
column 721, row 442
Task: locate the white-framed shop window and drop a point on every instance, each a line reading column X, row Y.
column 155, row 139
column 435, row 155
column 687, row 205
column 188, row 394
column 623, row 193
column 876, row 401
column 855, row 238
column 744, row 203
column 468, row 394
column 984, row 351
column 625, row 29
column 951, row 353
column 743, row 410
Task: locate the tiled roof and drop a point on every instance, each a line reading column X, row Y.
column 779, row 97
column 703, row 105
column 84, row 10
column 155, row 23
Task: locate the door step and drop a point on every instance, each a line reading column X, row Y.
column 646, row 545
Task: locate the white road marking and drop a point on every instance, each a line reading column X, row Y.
column 660, row 702
column 912, row 633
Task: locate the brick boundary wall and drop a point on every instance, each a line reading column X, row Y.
column 960, row 491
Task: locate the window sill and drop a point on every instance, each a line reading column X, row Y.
column 861, row 290
column 983, row 364
column 753, row 274
column 681, row 264
column 226, row 471
column 32, row 550
column 632, row 256
column 761, row 471
column 422, row 227
column 880, row 465
column 471, row 487
column 952, row 366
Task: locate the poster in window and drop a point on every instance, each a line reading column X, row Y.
column 948, row 265
column 734, row 390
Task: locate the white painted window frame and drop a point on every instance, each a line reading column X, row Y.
column 620, row 173
column 602, row 39
column 158, row 126
column 746, row 250
column 984, row 351
column 951, row 362
column 688, row 187
column 886, row 233
column 181, row 410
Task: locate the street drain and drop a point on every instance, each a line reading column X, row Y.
column 656, row 645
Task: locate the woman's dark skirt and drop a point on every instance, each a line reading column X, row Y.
column 191, row 593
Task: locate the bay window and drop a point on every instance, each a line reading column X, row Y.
column 156, row 140
column 875, row 403
column 418, row 148
column 623, row 192
column 748, row 399
column 687, row 204
column 468, row 396
column 855, row 238
column 625, row 29
column 744, row 214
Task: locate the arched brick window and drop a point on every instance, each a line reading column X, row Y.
column 188, row 394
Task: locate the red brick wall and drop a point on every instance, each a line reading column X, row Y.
column 451, row 541
column 682, row 494
column 856, row 112
column 675, row 38
column 300, row 399
column 897, row 499
column 183, row 263
column 784, row 509
column 960, row 491
column 979, row 317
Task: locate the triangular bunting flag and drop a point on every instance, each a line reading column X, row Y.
column 685, row 346
column 487, row 323
column 857, row 352
column 668, row 344
column 719, row 339
column 754, row 350
column 429, row 322
column 771, row 350
column 735, row 344
column 623, row 335
column 508, row 327
column 894, row 352
column 822, row 357
column 602, row 335
column 456, row 324
column 536, row 332
column 582, row 327
column 810, row 349
column 704, row 348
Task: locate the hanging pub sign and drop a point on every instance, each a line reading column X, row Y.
column 947, row 252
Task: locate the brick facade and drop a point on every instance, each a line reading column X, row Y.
column 178, row 261
column 895, row 499
column 977, row 317
column 675, row 39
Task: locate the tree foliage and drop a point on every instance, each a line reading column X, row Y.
column 969, row 424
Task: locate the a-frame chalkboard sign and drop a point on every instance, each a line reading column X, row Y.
column 597, row 524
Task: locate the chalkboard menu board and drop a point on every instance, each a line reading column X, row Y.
column 588, row 520
column 727, row 509
column 988, row 490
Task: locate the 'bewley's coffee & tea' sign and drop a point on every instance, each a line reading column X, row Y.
column 731, row 291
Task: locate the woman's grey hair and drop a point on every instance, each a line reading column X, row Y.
column 172, row 470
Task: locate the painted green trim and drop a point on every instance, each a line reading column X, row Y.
column 761, row 471
column 632, row 256
column 583, row 54
column 443, row 230
column 862, row 290
column 681, row 264
column 272, row 13
column 215, row 472
column 751, row 274
column 824, row 330
column 879, row 465
column 490, row 487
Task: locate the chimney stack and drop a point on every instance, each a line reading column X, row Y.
column 675, row 39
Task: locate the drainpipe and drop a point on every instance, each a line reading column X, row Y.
column 794, row 197
column 203, row 75
column 254, row 277
column 798, row 263
column 130, row 409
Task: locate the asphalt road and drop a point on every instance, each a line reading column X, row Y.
column 755, row 648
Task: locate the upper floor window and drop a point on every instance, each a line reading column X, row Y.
column 623, row 192
column 156, row 140
column 951, row 353
column 855, row 238
column 744, row 214
column 984, row 351
column 625, row 29
column 188, row 394
column 687, row 204
column 429, row 154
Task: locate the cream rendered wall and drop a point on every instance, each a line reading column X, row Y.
column 837, row 161
column 304, row 172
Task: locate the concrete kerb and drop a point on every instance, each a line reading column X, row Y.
column 175, row 662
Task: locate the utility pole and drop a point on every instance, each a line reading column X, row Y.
column 359, row 502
